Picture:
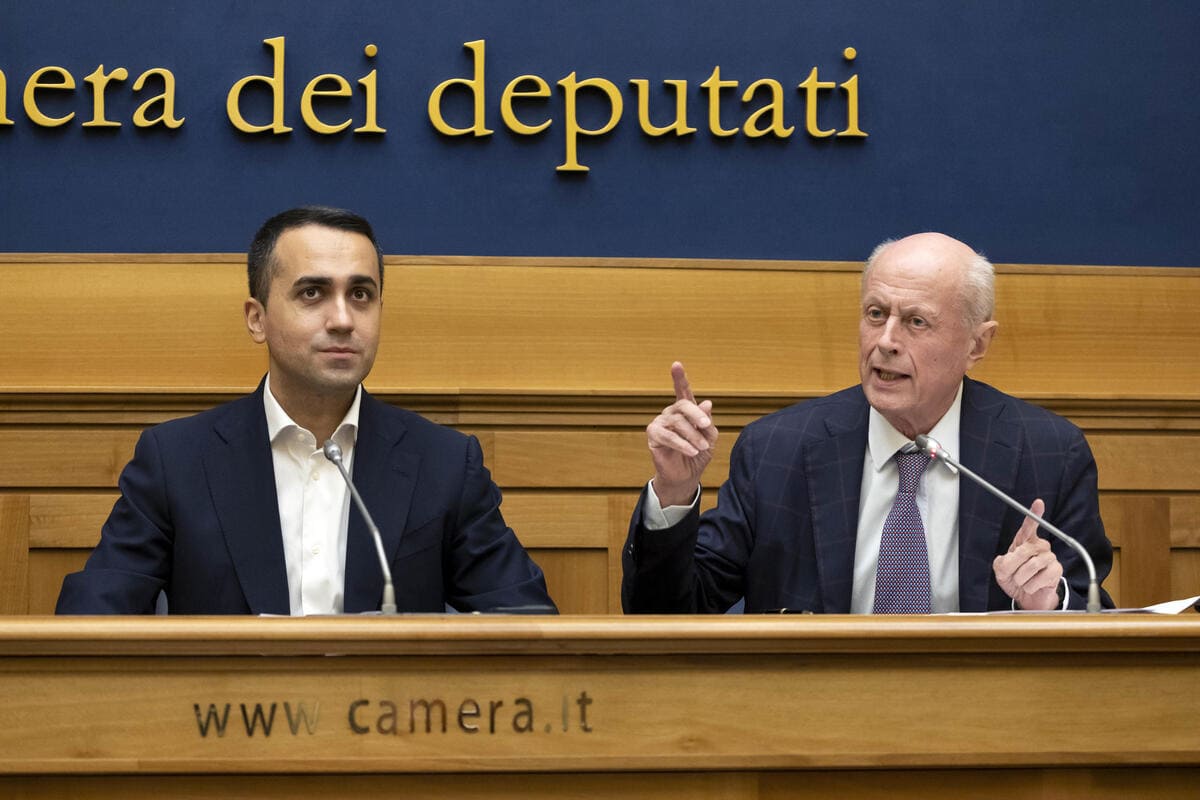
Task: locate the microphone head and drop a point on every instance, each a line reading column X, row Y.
column 932, row 448
column 332, row 451
column 928, row 444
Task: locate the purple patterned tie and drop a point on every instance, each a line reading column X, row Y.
column 902, row 579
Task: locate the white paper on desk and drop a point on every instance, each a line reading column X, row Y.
column 1169, row 607
column 1172, row 606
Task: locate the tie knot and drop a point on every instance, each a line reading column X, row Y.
column 911, row 465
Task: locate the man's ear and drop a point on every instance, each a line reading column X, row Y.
column 981, row 341
column 255, row 322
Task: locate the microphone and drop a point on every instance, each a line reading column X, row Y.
column 334, row 454
column 936, row 452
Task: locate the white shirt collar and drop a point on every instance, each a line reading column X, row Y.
column 278, row 421
column 883, row 440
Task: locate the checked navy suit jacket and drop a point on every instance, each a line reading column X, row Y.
column 784, row 530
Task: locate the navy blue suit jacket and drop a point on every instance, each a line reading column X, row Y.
column 784, row 530
column 198, row 518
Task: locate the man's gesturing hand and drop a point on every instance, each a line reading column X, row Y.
column 1029, row 572
column 681, row 441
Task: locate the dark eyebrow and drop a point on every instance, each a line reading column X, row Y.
column 363, row 280
column 316, row 280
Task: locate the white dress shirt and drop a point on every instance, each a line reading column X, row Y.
column 937, row 500
column 314, row 507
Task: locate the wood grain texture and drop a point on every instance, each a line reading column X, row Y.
column 1141, row 526
column 47, row 568
column 1185, row 521
column 14, row 554
column 577, row 579
column 136, row 324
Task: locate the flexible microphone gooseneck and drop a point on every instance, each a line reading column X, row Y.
column 334, row 454
column 936, row 452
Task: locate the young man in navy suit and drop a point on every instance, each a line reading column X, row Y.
column 237, row 510
column 816, row 515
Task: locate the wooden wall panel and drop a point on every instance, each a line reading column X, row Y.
column 152, row 323
column 46, row 570
column 1185, row 573
column 64, row 520
column 1113, row 583
column 557, row 365
column 1185, row 521
column 1153, row 462
column 76, row 457
column 1140, row 526
column 14, row 554
column 137, row 322
column 577, row 579
column 559, row 519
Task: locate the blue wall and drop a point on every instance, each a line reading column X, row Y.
column 1039, row 131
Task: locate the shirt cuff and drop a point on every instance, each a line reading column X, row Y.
column 657, row 518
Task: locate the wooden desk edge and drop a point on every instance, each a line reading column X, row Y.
column 596, row 635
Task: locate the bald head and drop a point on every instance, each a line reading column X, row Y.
column 974, row 276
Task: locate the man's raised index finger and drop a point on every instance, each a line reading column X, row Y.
column 683, row 390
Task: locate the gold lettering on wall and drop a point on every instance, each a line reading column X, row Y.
column 768, row 117
column 340, row 88
column 327, row 86
column 811, row 85
column 773, row 109
column 99, row 81
column 851, row 88
column 513, row 90
column 166, row 100
column 590, row 107
column 4, row 120
column 40, row 80
column 680, row 126
column 713, row 86
column 368, row 82
column 274, row 83
column 574, row 129
column 474, row 85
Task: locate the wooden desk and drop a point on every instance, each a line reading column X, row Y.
column 601, row 706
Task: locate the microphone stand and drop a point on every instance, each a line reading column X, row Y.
column 334, row 454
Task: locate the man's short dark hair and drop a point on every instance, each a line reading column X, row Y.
column 260, row 260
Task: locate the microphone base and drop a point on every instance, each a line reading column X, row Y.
column 388, row 606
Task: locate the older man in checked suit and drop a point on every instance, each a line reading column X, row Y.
column 820, row 512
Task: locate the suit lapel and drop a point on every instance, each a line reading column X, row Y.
column 985, row 440
column 241, row 480
column 385, row 475
column 834, row 469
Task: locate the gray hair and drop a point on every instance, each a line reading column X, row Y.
column 978, row 292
